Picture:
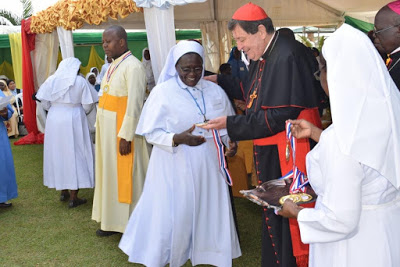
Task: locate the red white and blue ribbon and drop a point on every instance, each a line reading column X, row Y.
column 299, row 178
column 221, row 157
column 116, row 67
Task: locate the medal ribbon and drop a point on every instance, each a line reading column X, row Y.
column 115, row 67
column 221, row 157
column 299, row 178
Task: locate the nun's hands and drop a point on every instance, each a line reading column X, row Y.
column 289, row 209
column 305, row 129
column 187, row 138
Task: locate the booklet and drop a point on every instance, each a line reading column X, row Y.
column 272, row 194
column 4, row 101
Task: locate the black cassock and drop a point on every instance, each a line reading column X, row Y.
column 284, row 83
column 394, row 68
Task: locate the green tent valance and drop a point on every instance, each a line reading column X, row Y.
column 359, row 24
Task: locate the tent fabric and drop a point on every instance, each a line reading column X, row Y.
column 94, row 61
column 66, row 42
column 160, row 29
column 359, row 24
column 7, row 70
column 72, row 14
column 164, row 4
column 28, row 44
column 16, row 54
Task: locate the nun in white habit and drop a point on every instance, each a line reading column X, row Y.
column 184, row 211
column 355, row 167
column 146, row 61
column 68, row 154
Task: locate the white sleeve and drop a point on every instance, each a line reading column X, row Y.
column 161, row 139
column 338, row 207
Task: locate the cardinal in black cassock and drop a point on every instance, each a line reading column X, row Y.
column 280, row 86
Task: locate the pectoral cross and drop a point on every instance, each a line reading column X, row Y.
column 252, row 97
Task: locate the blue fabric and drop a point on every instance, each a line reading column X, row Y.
column 239, row 69
column 8, row 182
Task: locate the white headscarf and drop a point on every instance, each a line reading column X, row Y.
column 176, row 52
column 88, row 76
column 365, row 102
column 92, row 68
column 57, row 84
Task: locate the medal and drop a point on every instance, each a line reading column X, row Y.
column 106, row 88
column 110, row 72
column 296, row 198
column 287, row 154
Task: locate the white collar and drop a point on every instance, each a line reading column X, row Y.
column 269, row 43
column 396, row 50
column 182, row 85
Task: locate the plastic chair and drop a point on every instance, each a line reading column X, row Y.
column 18, row 98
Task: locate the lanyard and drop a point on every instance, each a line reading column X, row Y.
column 115, row 68
column 197, row 104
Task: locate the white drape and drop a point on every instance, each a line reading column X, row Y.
column 160, row 27
column 165, row 3
column 160, row 35
column 45, row 58
column 66, row 42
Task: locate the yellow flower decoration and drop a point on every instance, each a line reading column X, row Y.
column 71, row 14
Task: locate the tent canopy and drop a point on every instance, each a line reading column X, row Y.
column 283, row 13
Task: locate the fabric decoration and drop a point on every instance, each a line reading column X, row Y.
column 71, row 14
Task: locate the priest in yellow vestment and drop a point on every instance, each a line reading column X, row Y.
column 121, row 156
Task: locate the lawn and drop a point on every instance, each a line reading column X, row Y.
column 39, row 230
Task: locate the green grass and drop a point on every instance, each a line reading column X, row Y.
column 39, row 230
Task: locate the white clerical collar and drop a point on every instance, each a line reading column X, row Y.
column 396, row 50
column 269, row 43
column 182, row 85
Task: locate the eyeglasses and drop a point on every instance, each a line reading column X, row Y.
column 187, row 70
column 317, row 75
column 385, row 29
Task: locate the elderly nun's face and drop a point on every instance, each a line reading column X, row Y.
column 190, row 69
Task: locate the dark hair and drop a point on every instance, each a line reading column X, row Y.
column 9, row 81
column 224, row 67
column 119, row 31
column 251, row 27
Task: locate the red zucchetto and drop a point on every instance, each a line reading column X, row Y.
column 249, row 12
column 395, row 6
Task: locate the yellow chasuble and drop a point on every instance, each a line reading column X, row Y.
column 119, row 179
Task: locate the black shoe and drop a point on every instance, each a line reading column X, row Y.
column 64, row 196
column 100, row 232
column 75, row 203
column 5, row 205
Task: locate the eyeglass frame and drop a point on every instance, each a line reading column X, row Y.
column 384, row 29
column 191, row 70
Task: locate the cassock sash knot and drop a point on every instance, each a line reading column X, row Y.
column 221, row 157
